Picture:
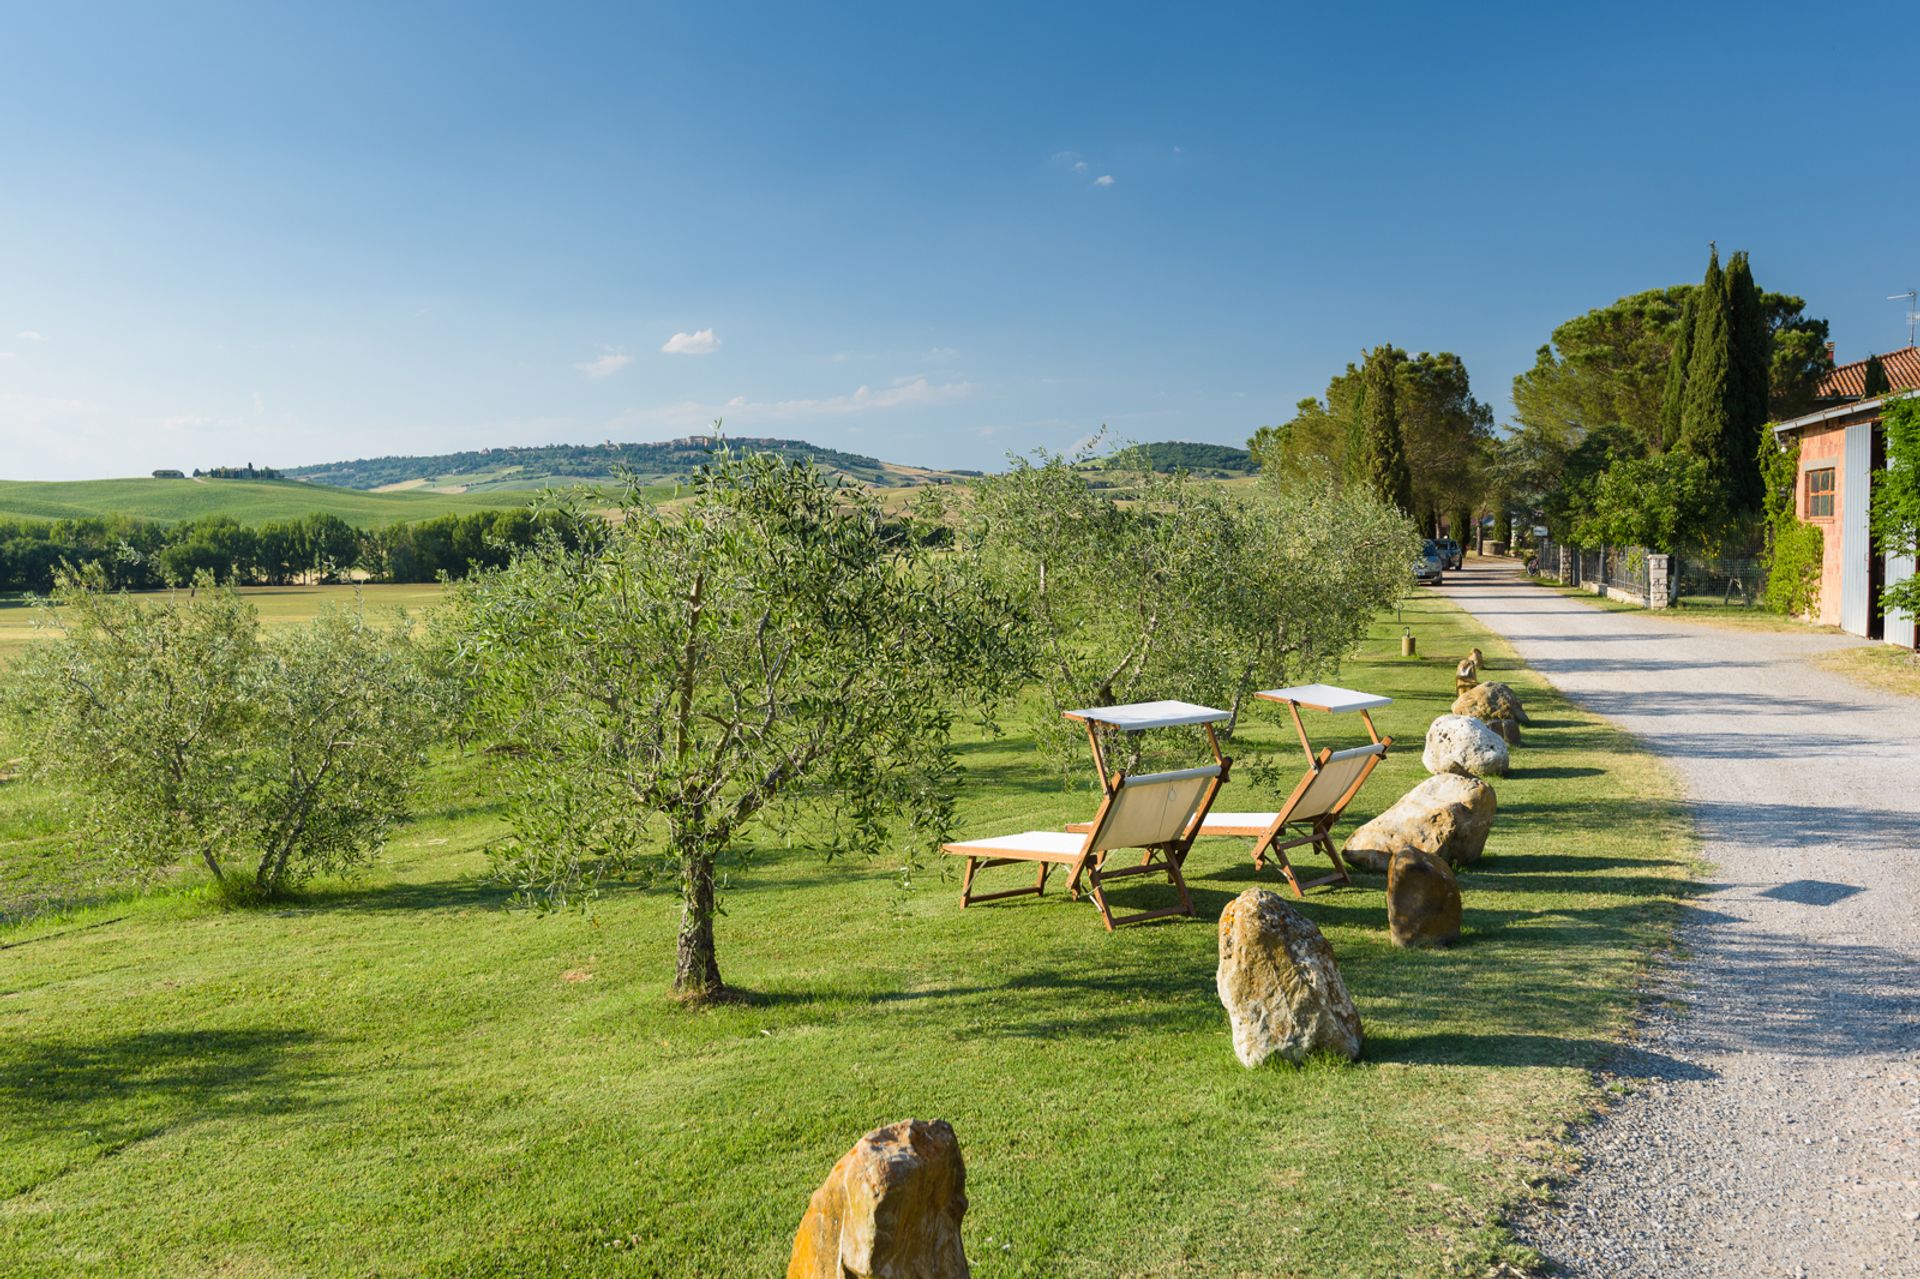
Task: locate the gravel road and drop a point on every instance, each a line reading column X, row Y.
column 1772, row 1122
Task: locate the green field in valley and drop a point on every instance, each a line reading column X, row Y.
column 399, row 1076
column 248, row 501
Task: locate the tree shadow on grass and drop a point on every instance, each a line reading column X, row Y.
column 126, row 1088
column 429, row 895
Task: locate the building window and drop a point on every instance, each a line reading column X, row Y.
column 1820, row 494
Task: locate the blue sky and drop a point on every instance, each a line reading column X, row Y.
column 279, row 235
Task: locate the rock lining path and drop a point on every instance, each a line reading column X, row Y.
column 1772, row 1127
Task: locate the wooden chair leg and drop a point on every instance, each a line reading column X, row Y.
column 1179, row 882
column 1333, row 855
column 1286, row 868
column 1099, row 897
column 1261, row 849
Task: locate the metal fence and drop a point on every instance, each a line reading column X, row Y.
column 1725, row 582
column 1624, row 572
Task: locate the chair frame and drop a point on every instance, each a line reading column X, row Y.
column 1319, row 830
column 1270, row 839
column 1164, row 857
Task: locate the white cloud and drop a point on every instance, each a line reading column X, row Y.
column 259, row 402
column 6, row 355
column 607, row 364
column 699, row 342
column 28, row 335
column 1104, row 180
column 941, row 354
column 1079, row 166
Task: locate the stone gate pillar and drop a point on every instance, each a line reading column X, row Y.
column 1659, row 580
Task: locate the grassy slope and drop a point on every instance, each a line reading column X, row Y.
column 249, row 501
column 402, row 1079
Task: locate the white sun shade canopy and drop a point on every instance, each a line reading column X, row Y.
column 1136, row 716
column 1326, row 697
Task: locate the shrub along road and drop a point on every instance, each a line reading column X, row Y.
column 1772, row 1122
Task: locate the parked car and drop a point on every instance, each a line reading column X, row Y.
column 1430, row 567
column 1452, row 554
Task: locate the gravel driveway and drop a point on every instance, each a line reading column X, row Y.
column 1772, row 1127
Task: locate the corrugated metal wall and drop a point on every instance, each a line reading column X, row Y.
column 1856, row 470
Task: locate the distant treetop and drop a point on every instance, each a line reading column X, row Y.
column 574, row 463
column 1212, row 461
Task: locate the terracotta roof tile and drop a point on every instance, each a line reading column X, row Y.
column 1849, row 381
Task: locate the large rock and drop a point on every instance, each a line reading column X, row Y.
column 1462, row 744
column 1448, row 815
column 1423, row 899
column 1283, row 992
column 1489, row 701
column 890, row 1209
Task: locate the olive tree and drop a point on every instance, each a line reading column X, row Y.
column 1162, row 586
column 182, row 736
column 773, row 650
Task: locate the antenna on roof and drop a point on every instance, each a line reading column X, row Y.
column 1912, row 296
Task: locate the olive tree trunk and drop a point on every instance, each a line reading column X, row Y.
column 696, row 969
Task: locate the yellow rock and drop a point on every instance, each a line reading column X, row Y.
column 1490, row 701
column 1283, row 992
column 890, row 1209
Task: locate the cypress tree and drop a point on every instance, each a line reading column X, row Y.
column 1748, row 377
column 1383, row 453
column 1673, row 403
column 1703, row 410
column 1877, row 383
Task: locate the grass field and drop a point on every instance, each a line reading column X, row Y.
column 277, row 604
column 398, row 1077
column 248, row 501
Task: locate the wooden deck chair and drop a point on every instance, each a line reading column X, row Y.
column 1330, row 783
column 1157, row 812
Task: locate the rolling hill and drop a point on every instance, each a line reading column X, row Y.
column 375, row 492
column 510, row 469
column 248, row 501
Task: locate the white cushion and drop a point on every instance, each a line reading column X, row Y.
column 1056, row 842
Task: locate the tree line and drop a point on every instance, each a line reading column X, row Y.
column 1643, row 422
column 135, row 554
column 1407, row 428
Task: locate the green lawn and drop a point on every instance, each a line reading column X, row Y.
column 248, row 501
column 399, row 1077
